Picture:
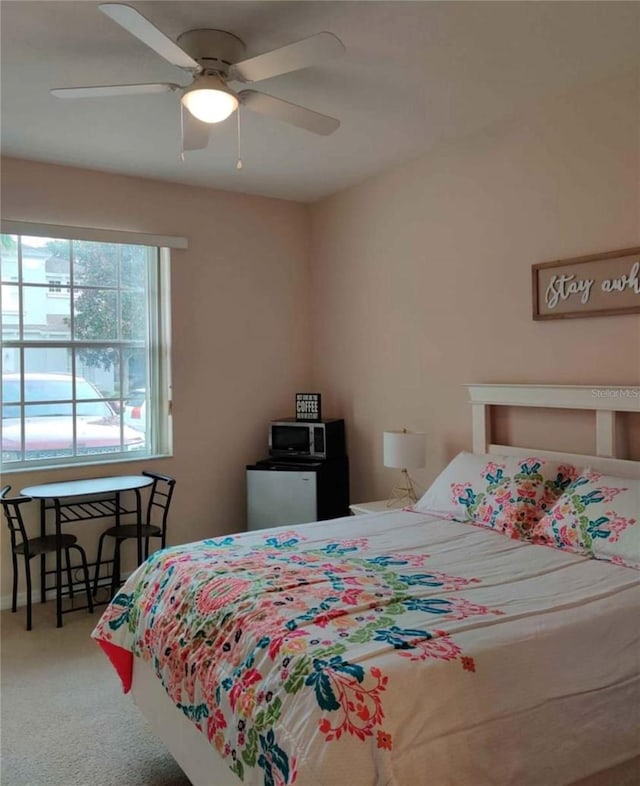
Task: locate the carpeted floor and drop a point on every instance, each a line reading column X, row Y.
column 65, row 720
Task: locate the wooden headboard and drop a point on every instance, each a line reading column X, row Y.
column 607, row 401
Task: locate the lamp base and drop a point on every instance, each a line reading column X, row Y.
column 404, row 492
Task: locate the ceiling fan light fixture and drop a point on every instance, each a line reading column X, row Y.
column 209, row 99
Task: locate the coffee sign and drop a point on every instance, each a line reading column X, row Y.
column 308, row 406
column 596, row 285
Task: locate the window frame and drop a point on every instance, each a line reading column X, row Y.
column 159, row 420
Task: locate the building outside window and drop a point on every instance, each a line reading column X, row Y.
column 85, row 373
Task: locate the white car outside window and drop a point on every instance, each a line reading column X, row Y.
column 49, row 419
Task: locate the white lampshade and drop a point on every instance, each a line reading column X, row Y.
column 209, row 99
column 404, row 449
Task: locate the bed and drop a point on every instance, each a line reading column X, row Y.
column 407, row 647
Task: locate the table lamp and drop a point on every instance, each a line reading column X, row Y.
column 403, row 450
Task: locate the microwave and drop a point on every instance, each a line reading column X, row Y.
column 318, row 439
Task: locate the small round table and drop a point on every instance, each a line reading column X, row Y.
column 68, row 499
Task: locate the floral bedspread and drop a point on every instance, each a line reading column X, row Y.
column 299, row 650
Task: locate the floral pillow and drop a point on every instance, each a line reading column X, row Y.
column 598, row 515
column 506, row 493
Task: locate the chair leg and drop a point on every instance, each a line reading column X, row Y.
column 43, row 578
column 115, row 576
column 67, row 555
column 146, row 548
column 87, row 581
column 27, row 566
column 96, row 576
column 14, row 594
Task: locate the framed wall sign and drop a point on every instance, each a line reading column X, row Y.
column 308, row 406
column 591, row 286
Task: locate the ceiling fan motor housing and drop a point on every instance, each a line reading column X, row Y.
column 214, row 50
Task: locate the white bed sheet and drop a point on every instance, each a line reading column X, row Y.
column 203, row 766
column 555, row 691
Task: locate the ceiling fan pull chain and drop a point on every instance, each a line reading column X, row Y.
column 239, row 163
column 181, row 132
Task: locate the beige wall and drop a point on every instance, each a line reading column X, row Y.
column 240, row 326
column 421, row 276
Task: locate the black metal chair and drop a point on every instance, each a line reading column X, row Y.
column 35, row 547
column 154, row 526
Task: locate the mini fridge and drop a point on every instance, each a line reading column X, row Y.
column 281, row 492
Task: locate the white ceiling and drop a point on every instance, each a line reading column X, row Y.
column 414, row 74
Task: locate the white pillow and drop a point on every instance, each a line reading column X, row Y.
column 598, row 515
column 438, row 498
column 506, row 493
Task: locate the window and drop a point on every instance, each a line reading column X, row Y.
column 73, row 364
column 55, row 287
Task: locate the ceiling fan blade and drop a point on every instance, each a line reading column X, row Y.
column 195, row 133
column 140, row 27
column 315, row 49
column 288, row 113
column 104, row 91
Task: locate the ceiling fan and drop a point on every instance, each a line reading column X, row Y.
column 214, row 58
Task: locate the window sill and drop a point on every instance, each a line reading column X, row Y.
column 62, row 467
